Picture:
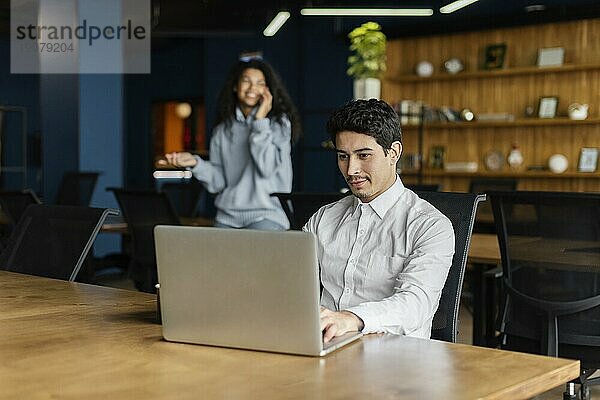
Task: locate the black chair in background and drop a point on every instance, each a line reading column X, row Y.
column 484, row 222
column 142, row 211
column 425, row 187
column 52, row 241
column 460, row 208
column 550, row 249
column 14, row 203
column 76, row 188
column 185, row 197
column 300, row 206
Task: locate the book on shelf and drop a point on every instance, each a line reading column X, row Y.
column 461, row 166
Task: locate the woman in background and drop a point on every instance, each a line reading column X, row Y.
column 250, row 149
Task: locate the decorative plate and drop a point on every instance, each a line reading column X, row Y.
column 494, row 160
column 454, row 65
column 424, row 69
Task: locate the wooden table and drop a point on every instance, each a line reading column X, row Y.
column 484, row 249
column 484, row 254
column 75, row 341
column 118, row 224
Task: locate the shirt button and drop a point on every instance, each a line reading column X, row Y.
column 352, row 261
column 347, row 290
column 361, row 232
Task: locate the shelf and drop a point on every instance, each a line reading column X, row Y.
column 506, row 124
column 505, row 174
column 495, row 73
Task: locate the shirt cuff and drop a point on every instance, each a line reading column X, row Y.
column 261, row 125
column 196, row 168
column 371, row 322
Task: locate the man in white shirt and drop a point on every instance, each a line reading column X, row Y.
column 384, row 253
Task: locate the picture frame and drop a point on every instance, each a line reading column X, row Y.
column 547, row 107
column 551, row 57
column 494, row 56
column 436, row 156
column 588, row 159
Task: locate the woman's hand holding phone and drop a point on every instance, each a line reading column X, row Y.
column 266, row 104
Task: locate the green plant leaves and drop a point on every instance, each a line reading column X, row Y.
column 368, row 44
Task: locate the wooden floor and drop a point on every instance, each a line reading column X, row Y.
column 464, row 335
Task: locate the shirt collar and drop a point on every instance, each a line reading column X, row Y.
column 382, row 203
column 239, row 115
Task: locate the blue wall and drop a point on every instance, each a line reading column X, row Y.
column 101, row 142
column 59, row 102
column 21, row 90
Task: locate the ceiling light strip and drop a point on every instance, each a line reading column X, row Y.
column 455, row 5
column 368, row 12
column 276, row 23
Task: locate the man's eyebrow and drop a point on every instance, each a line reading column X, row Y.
column 355, row 151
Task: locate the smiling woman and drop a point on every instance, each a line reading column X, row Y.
column 250, row 149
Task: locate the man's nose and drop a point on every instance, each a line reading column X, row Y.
column 354, row 166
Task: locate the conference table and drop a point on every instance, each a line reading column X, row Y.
column 70, row 340
column 483, row 256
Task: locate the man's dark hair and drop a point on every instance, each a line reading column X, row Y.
column 369, row 117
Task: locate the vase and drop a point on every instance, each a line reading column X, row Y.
column 367, row 88
column 515, row 157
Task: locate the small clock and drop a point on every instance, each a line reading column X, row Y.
column 424, row 69
column 454, row 65
column 494, row 160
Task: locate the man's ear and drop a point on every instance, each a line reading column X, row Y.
column 395, row 152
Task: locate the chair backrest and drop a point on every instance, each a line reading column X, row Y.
column 14, row 203
column 185, row 197
column 550, row 249
column 460, row 208
column 76, row 188
column 424, row 187
column 484, row 221
column 142, row 211
column 300, row 206
column 52, row 241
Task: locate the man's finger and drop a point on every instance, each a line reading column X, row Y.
column 330, row 333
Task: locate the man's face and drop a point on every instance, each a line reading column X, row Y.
column 367, row 169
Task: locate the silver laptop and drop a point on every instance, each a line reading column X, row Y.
column 241, row 288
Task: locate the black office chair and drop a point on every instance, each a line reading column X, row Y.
column 142, row 211
column 14, row 203
column 52, row 241
column 484, row 221
column 550, row 249
column 185, row 197
column 425, row 187
column 300, row 206
column 76, row 188
column 460, row 208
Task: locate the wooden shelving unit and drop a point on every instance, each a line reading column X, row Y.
column 510, row 90
column 486, row 74
column 530, row 122
column 504, row 174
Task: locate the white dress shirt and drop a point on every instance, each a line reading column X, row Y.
column 385, row 261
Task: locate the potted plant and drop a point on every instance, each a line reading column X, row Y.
column 367, row 64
